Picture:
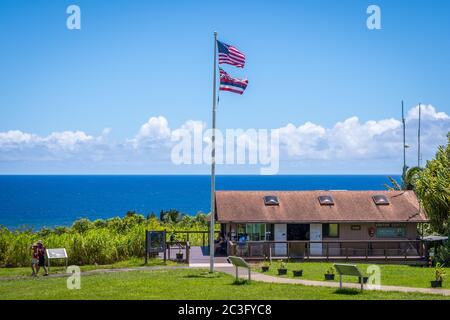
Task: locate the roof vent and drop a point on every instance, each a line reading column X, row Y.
column 380, row 200
column 271, row 201
column 326, row 200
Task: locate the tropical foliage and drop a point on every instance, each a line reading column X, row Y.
column 409, row 180
column 99, row 241
column 433, row 189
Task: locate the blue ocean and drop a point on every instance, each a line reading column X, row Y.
column 37, row 201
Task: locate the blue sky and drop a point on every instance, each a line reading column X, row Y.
column 307, row 61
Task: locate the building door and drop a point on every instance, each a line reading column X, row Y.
column 316, row 235
column 297, row 232
column 280, row 235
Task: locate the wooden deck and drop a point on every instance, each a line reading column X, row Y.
column 197, row 255
column 376, row 251
column 201, row 255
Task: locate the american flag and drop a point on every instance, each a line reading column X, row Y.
column 228, row 83
column 230, row 55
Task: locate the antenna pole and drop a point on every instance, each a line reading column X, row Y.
column 418, row 136
column 404, row 145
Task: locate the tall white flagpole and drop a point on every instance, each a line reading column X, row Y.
column 213, row 163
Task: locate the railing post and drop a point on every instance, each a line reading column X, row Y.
column 406, row 251
column 188, row 249
column 367, row 251
column 346, row 253
column 308, row 246
column 168, row 251
column 328, row 253
column 146, row 246
column 288, row 250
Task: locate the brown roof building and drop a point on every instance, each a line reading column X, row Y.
column 320, row 224
column 305, row 207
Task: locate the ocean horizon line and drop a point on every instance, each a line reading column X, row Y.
column 195, row 175
column 49, row 200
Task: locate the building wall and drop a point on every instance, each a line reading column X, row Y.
column 346, row 232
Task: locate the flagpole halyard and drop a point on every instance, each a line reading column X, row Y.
column 213, row 162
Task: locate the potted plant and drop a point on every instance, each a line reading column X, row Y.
column 179, row 254
column 282, row 270
column 265, row 266
column 297, row 273
column 330, row 274
column 439, row 273
column 364, row 280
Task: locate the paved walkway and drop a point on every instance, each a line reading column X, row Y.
column 199, row 258
column 243, row 273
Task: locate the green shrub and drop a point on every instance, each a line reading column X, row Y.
column 98, row 242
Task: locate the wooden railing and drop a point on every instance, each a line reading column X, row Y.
column 186, row 236
column 331, row 249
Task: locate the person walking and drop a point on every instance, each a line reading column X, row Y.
column 34, row 259
column 41, row 255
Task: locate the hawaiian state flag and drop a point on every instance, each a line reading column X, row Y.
column 228, row 83
column 230, row 55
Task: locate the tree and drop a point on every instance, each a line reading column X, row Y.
column 433, row 189
column 408, row 182
column 169, row 216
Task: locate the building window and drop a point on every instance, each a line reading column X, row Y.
column 330, row 230
column 256, row 231
column 270, row 229
column 252, row 232
column 391, row 231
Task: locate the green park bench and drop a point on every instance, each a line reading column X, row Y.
column 349, row 270
column 239, row 262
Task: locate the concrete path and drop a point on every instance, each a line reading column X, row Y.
column 199, row 256
column 256, row 276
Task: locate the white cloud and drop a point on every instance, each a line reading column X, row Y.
column 154, row 131
column 345, row 140
column 306, row 140
column 16, row 137
column 68, row 140
column 428, row 112
column 374, row 143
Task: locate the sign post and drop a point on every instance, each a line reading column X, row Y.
column 59, row 253
column 155, row 242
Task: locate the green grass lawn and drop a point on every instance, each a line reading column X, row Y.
column 182, row 284
column 395, row 275
column 136, row 262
